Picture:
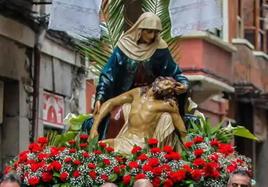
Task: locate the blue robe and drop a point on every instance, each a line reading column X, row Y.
column 120, row 75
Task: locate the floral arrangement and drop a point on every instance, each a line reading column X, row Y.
column 70, row 159
column 203, row 162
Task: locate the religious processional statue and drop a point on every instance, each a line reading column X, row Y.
column 140, row 57
column 152, row 113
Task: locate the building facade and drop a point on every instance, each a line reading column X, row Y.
column 42, row 77
column 228, row 70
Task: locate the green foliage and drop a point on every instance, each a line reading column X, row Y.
column 99, row 50
column 93, row 144
column 204, row 128
column 243, row 132
column 74, row 124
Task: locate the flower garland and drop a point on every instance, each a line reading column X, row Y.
column 202, row 162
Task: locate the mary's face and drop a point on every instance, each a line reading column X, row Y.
column 148, row 35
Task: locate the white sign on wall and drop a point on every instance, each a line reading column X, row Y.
column 1, row 101
column 53, row 110
column 187, row 16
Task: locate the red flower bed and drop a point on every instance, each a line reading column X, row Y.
column 203, row 162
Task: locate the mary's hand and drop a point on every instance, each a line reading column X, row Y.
column 180, row 88
column 97, row 108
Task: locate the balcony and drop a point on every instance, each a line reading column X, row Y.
column 207, row 62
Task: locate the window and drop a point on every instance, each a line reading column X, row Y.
column 239, row 18
column 255, row 22
column 223, row 31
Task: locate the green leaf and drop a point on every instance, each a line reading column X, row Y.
column 244, row 132
column 65, row 185
column 113, row 177
column 93, row 143
column 77, row 121
column 56, row 174
column 216, row 128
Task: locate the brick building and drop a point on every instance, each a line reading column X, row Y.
column 41, row 76
column 228, row 70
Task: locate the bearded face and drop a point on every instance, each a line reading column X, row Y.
column 167, row 87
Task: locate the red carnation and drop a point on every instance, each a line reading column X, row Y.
column 198, row 152
column 156, row 181
column 54, row 151
column 83, row 145
column 109, row 149
column 140, row 176
column 62, row 148
column 34, row 167
column 76, row 173
column 188, row 144
column 153, row 162
column 23, row 156
column 167, row 149
column 73, row 150
column 166, row 167
column 180, row 175
column 119, row 159
column 215, row 174
column 91, row 166
column 47, row 177
column 83, row 136
column 168, row 183
column 152, row 141
column 33, row 181
column 196, row 174
column 42, row 156
column 106, row 161
column 175, row 156
column 199, row 162
column 155, row 150
column 102, row 144
column 7, row 169
column 67, row 160
column 92, row 174
column 97, row 152
column 142, row 157
column 56, row 165
column 35, row 148
column 126, row 179
column 231, row 168
column 239, row 161
column 214, row 157
column 133, row 164
column 42, row 140
column 198, row 139
column 135, row 149
column 226, row 149
column 64, row 176
column 187, row 168
column 147, row 167
column 157, row 171
column 104, row 177
column 116, row 169
column 77, row 162
column 85, row 154
column 214, row 143
column 71, row 142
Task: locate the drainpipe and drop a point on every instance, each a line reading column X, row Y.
column 39, row 37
